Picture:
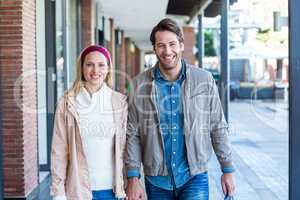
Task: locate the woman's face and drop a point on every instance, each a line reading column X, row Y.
column 95, row 69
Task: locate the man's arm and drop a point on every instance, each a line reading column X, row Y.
column 219, row 137
column 133, row 152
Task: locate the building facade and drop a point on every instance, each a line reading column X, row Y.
column 39, row 44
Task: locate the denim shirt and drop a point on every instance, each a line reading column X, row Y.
column 171, row 117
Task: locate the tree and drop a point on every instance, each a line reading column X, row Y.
column 209, row 49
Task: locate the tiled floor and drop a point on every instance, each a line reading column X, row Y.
column 260, row 144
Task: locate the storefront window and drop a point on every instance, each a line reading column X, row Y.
column 60, row 35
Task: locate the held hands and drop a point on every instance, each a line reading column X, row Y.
column 134, row 190
column 227, row 182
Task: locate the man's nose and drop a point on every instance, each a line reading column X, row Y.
column 167, row 49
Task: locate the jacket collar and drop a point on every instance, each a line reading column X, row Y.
column 183, row 63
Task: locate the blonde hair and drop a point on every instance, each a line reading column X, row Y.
column 79, row 81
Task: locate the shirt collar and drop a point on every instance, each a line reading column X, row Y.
column 160, row 77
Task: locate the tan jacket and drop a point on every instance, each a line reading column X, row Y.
column 69, row 169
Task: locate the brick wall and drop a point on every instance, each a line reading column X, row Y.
column 132, row 58
column 111, row 47
column 122, row 58
column 19, row 96
column 88, row 22
column 189, row 43
column 128, row 57
column 137, row 61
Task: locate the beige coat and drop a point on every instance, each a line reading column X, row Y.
column 69, row 168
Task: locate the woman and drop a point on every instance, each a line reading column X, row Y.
column 89, row 133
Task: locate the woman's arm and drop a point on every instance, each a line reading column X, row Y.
column 59, row 152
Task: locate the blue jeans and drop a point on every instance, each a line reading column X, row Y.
column 194, row 189
column 103, row 195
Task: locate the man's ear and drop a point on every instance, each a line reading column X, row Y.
column 181, row 46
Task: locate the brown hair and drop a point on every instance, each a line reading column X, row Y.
column 167, row 24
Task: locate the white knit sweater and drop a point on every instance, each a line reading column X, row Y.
column 97, row 132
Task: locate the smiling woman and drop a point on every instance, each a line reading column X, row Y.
column 95, row 70
column 90, row 119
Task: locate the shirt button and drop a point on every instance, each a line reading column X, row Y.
column 173, row 164
column 173, row 101
column 174, row 152
column 172, row 87
column 174, row 140
column 174, row 114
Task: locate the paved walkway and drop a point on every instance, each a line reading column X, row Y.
column 260, row 143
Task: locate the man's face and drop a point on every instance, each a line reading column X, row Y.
column 168, row 49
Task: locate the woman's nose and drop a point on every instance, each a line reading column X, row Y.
column 95, row 69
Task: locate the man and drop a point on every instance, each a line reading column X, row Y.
column 174, row 119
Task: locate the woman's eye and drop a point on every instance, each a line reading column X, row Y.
column 102, row 65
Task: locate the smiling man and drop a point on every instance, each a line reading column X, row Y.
column 175, row 119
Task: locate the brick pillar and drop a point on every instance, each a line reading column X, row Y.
column 123, row 74
column 19, row 96
column 137, row 62
column 88, row 22
column 111, row 47
column 189, row 43
column 128, row 57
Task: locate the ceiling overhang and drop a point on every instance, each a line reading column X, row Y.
column 214, row 8
column 191, row 8
column 137, row 17
column 187, row 7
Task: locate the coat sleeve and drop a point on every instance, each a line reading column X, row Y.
column 219, row 129
column 124, row 121
column 124, row 127
column 133, row 143
column 59, row 151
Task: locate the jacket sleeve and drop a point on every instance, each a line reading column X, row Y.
column 124, row 127
column 59, row 151
column 219, row 129
column 124, row 121
column 133, row 143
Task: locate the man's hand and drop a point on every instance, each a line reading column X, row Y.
column 227, row 182
column 134, row 190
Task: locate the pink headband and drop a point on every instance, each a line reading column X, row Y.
column 98, row 48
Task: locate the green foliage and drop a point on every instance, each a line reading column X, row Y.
column 209, row 44
column 209, row 49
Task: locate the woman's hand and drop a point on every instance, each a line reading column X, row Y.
column 134, row 190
